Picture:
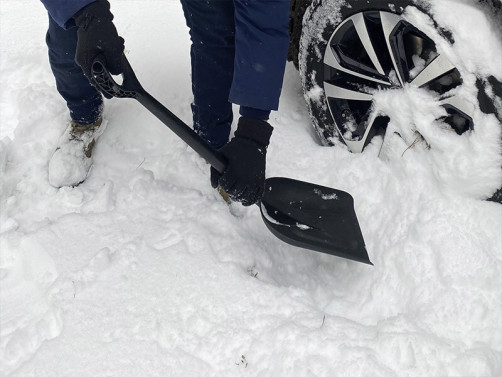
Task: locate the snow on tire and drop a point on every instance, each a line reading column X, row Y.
column 359, row 61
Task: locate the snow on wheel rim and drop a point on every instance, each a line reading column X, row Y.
column 379, row 50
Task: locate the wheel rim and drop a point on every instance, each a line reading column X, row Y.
column 377, row 50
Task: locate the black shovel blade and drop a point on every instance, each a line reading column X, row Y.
column 313, row 217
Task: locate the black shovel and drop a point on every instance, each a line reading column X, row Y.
column 299, row 213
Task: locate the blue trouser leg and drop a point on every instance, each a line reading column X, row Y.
column 254, row 35
column 83, row 100
column 212, row 31
column 261, row 48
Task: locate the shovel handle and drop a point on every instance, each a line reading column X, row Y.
column 102, row 78
column 338, row 235
column 131, row 88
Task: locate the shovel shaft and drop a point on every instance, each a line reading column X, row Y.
column 187, row 134
column 131, row 88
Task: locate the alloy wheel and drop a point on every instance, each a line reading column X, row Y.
column 380, row 50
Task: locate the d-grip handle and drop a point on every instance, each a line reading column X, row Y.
column 131, row 88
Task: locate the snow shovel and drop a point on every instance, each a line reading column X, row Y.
column 299, row 213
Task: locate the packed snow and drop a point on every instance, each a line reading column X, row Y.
column 143, row 270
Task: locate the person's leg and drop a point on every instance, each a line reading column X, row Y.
column 71, row 162
column 261, row 46
column 83, row 100
column 211, row 24
column 261, row 40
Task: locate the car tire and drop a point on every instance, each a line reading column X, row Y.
column 349, row 49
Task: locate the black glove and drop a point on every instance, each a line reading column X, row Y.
column 97, row 35
column 244, row 178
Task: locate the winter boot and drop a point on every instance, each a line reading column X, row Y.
column 224, row 195
column 72, row 160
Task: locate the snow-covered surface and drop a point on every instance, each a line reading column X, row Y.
column 144, row 271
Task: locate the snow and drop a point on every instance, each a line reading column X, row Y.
column 143, row 270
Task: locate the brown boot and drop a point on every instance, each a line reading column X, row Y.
column 224, row 195
column 72, row 160
column 86, row 133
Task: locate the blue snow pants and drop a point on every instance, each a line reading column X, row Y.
column 83, row 100
column 238, row 55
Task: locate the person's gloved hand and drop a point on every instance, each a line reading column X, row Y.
column 244, row 178
column 97, row 35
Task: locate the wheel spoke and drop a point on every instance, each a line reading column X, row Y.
column 389, row 23
column 333, row 91
column 331, row 60
column 356, row 146
column 460, row 104
column 364, row 36
column 437, row 68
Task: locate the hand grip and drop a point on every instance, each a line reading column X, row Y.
column 101, row 77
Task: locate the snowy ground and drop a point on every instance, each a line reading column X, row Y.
column 144, row 271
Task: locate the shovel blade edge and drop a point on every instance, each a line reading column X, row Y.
column 313, row 217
